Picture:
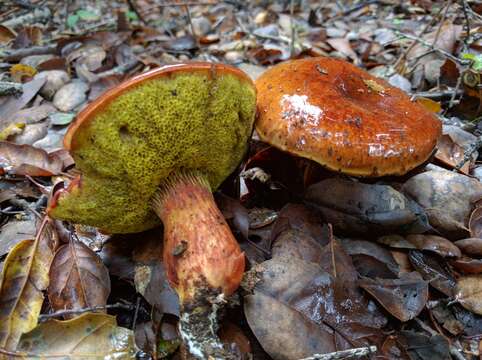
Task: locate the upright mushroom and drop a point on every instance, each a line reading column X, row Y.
column 340, row 116
column 161, row 141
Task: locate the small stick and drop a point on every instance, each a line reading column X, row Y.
column 18, row 54
column 293, row 32
column 469, row 151
column 430, row 46
column 344, row 354
column 45, row 317
column 39, row 14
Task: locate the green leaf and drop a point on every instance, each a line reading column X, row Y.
column 87, row 15
column 476, row 60
column 132, row 16
column 72, row 21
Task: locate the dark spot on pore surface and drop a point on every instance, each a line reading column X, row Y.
column 124, row 133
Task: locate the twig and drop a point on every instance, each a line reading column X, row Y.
column 469, row 151
column 136, row 312
column 292, row 25
column 467, row 24
column 37, row 15
column 18, row 54
column 437, row 94
column 424, row 30
column 439, row 28
column 133, row 6
column 45, row 317
column 430, row 46
column 332, row 249
column 456, row 90
column 10, row 88
column 344, row 354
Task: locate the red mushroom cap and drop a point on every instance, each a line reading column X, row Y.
column 342, row 117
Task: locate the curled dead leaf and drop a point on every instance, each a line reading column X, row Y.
column 78, row 278
column 28, row 160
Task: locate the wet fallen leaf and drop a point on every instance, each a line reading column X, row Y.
column 404, row 298
column 24, row 278
column 423, row 347
column 28, row 160
column 354, row 207
column 469, row 293
column 447, row 198
column 371, row 259
column 467, row 265
column 475, row 223
column 451, row 147
column 298, row 233
column 434, row 243
column 87, row 336
column 273, row 306
column 297, row 337
column 431, row 270
column 150, row 277
column 451, row 153
column 13, row 232
column 470, row 246
column 234, row 212
column 78, row 278
column 14, row 104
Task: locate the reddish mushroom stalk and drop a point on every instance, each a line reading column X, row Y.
column 202, row 258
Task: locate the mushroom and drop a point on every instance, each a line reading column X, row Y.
column 160, row 142
column 345, row 119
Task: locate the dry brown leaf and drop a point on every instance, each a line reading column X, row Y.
column 78, row 278
column 343, row 46
column 150, row 276
column 6, row 34
column 28, row 160
column 14, row 104
column 296, row 336
column 404, row 298
column 88, row 336
column 467, row 265
column 354, row 207
column 470, row 246
column 433, row 271
column 475, row 223
column 24, row 278
column 447, row 198
column 469, row 293
column 451, row 154
column 434, row 243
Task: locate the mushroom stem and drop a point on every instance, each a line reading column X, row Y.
column 203, row 261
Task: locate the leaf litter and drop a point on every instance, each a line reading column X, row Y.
column 334, row 263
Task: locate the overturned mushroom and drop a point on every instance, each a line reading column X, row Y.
column 162, row 141
column 347, row 120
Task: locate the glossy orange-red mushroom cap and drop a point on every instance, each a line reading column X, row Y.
column 342, row 117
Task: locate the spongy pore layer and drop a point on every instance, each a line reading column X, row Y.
column 181, row 121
